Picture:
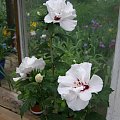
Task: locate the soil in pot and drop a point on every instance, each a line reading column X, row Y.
column 36, row 109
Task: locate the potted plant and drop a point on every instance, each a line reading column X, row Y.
column 32, row 85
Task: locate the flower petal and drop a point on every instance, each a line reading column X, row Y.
column 69, row 9
column 77, row 104
column 77, row 72
column 22, row 75
column 66, row 92
column 77, row 89
column 63, row 89
column 29, row 61
column 69, row 12
column 69, row 6
column 29, row 64
column 81, row 71
column 85, row 95
column 96, row 84
column 39, row 64
column 70, row 96
column 27, row 70
column 68, row 25
column 66, row 80
column 16, row 79
column 48, row 19
column 87, row 67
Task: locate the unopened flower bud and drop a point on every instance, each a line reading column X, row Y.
column 38, row 13
column 38, row 78
column 74, row 61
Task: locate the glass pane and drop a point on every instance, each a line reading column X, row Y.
column 92, row 40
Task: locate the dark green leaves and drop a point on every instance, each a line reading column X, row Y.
column 94, row 116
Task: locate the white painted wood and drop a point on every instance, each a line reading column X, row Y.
column 22, row 28
column 114, row 108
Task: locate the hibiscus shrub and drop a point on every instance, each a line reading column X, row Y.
column 91, row 42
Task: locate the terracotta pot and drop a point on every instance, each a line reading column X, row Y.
column 36, row 110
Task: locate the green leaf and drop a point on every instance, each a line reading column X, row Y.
column 94, row 116
column 63, row 104
column 53, row 116
column 27, row 105
column 24, row 108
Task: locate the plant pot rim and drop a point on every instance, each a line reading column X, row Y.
column 36, row 113
column 36, row 110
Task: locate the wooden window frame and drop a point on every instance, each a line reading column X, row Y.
column 21, row 29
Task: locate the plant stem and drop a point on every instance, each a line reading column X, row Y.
column 51, row 54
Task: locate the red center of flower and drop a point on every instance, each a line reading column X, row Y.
column 57, row 18
column 86, row 87
column 78, row 83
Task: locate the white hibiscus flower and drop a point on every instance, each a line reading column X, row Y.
column 62, row 12
column 77, row 87
column 28, row 64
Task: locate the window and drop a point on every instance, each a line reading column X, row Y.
column 94, row 40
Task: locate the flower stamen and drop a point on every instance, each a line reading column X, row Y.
column 57, row 18
column 77, row 84
column 85, row 87
column 80, row 84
